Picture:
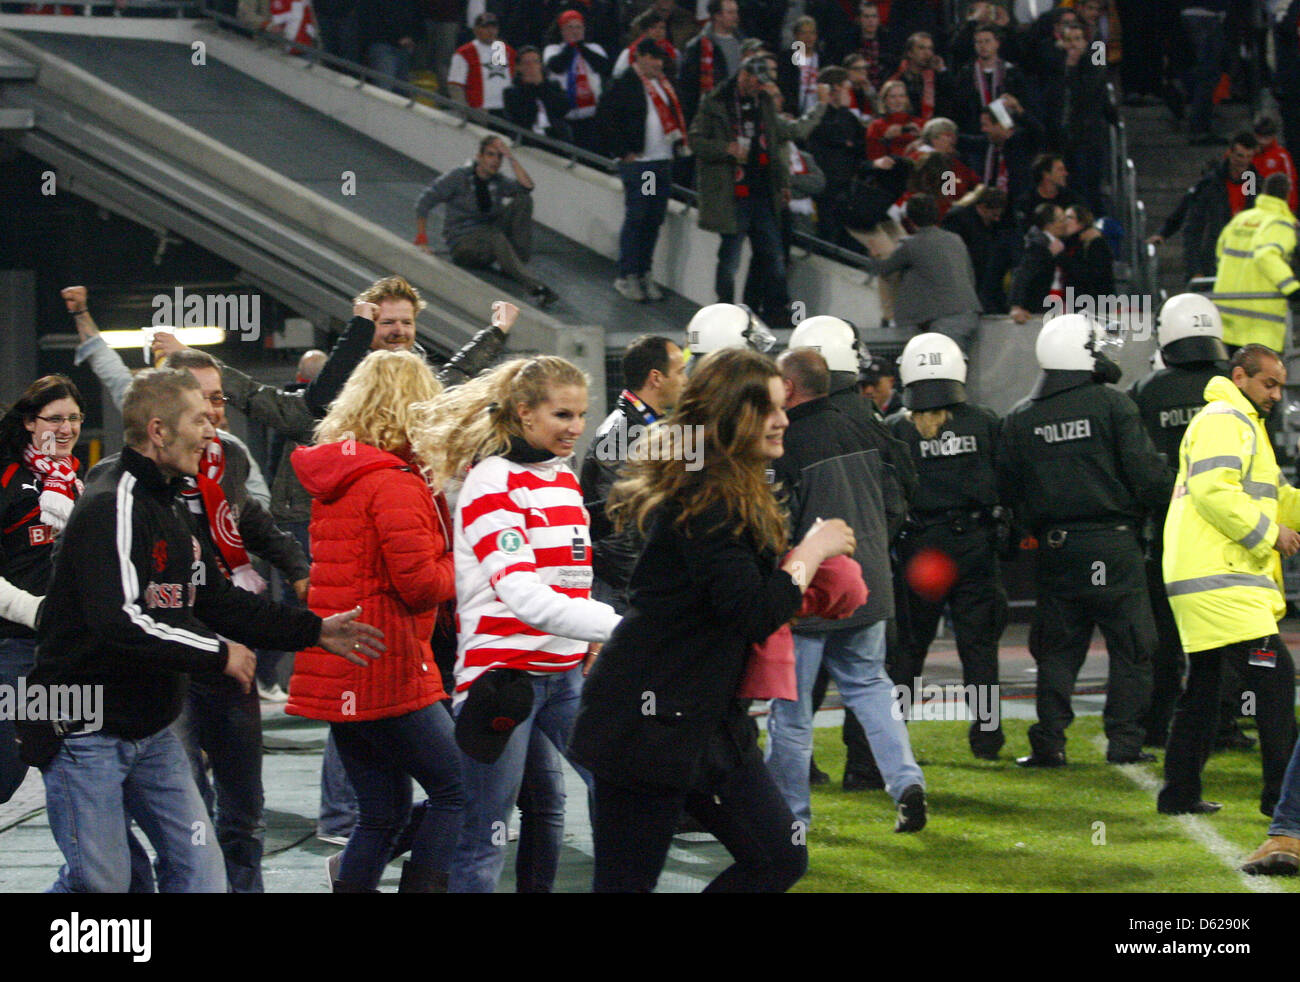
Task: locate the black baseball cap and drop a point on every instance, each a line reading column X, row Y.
column 498, row 701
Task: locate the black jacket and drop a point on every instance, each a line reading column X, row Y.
column 829, row 470
column 1204, row 210
column 838, row 144
column 612, row 555
column 26, row 543
column 1031, row 280
column 968, row 100
column 957, row 469
column 621, row 115
column 1076, row 454
column 521, row 100
column 1077, row 106
column 659, row 711
column 1089, row 267
column 137, row 600
column 477, row 354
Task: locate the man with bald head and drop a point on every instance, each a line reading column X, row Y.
column 831, row 469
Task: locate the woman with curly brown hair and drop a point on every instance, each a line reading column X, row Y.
column 661, row 726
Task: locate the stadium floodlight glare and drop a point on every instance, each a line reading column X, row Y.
column 191, row 337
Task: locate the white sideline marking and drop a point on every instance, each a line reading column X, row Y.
column 1197, row 828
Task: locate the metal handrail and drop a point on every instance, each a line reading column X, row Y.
column 490, row 121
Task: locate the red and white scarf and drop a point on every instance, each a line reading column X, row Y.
column 204, row 496
column 987, row 93
column 59, row 485
column 706, row 64
column 669, row 110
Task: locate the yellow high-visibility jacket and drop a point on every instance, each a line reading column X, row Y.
column 1254, row 254
column 1222, row 574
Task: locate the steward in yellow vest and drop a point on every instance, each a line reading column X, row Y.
column 1231, row 519
column 1254, row 253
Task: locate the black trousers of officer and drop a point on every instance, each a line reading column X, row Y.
column 1195, row 723
column 1168, row 664
column 1095, row 578
column 978, row 607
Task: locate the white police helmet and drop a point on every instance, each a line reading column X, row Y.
column 1067, row 343
column 833, row 337
column 932, row 369
column 1190, row 330
column 727, row 325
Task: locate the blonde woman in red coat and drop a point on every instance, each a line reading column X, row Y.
column 381, row 540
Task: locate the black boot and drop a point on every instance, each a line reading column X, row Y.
column 417, row 878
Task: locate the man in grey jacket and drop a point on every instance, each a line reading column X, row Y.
column 829, row 470
column 489, row 217
column 937, row 289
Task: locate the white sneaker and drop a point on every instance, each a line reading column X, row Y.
column 629, row 288
column 651, row 289
column 273, row 693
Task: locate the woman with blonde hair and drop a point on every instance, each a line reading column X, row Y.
column 890, row 133
column 523, row 582
column 661, row 726
column 381, row 540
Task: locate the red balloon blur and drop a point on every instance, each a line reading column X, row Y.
column 931, row 574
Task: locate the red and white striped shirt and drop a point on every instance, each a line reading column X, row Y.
column 523, row 571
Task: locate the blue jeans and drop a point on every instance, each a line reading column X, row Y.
column 491, row 790
column 381, row 756
column 17, row 656
column 1286, row 816
column 643, row 213
column 1205, row 34
column 756, row 218
column 338, row 799
column 220, row 720
column 95, row 781
column 855, row 658
column 541, row 816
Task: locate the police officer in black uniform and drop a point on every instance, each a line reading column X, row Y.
column 955, row 511
column 1076, row 463
column 1192, row 349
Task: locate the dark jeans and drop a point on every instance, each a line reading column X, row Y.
column 339, row 36
column 755, row 218
column 646, row 189
column 632, row 831
column 388, row 59
column 17, row 656
column 1195, row 723
column 226, row 724
column 1096, row 579
column 1206, row 36
column 381, row 756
